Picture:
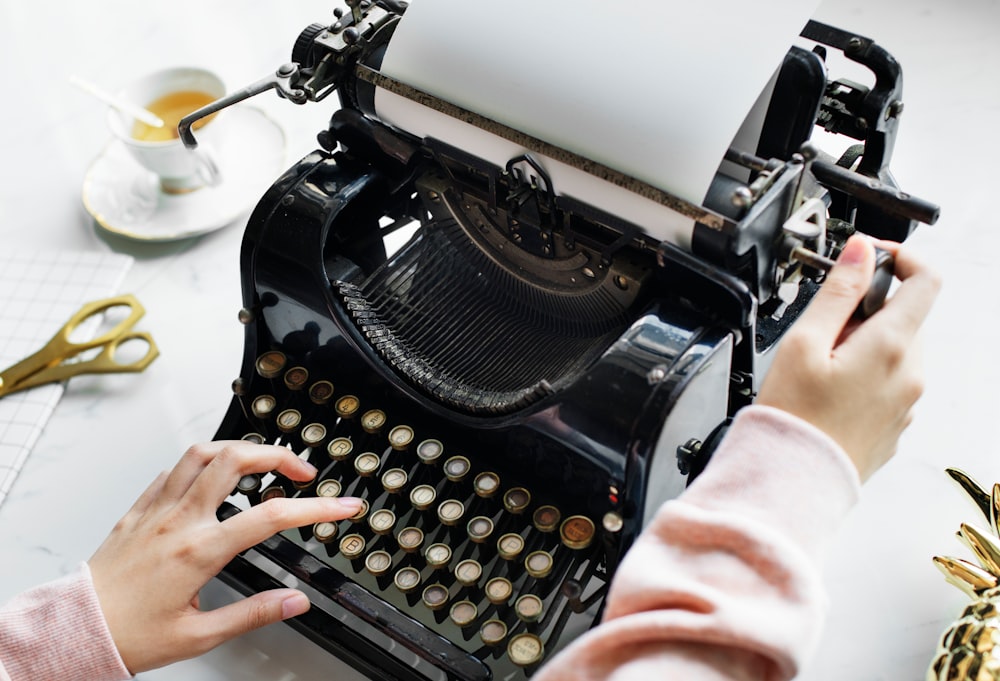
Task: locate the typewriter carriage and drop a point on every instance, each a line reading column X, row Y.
column 669, row 341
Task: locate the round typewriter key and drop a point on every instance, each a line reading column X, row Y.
column 486, row 484
column 493, row 632
column 362, row 512
column 450, row 512
column 270, row 363
column 274, row 492
column 438, row 555
column 373, row 420
column 352, row 546
column 480, row 528
column 394, row 480
column 366, row 464
column 516, row 500
column 435, row 596
column 429, row 451
column 613, row 522
column 456, row 468
column 499, row 590
column 525, row 650
column 347, row 406
column 313, row 434
column 510, row 546
column 289, row 420
column 546, row 518
column 339, row 448
column 400, row 437
column 263, row 406
column 464, row 613
column 538, row 564
column 325, row 532
column 378, row 562
column 528, row 608
column 410, row 539
column 248, row 483
column 255, row 438
column 577, row 532
column 296, row 378
column 468, row 572
column 382, row 521
column 407, row 579
column 320, row 392
column 422, row 496
column 328, row 488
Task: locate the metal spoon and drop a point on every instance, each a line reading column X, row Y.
column 133, row 110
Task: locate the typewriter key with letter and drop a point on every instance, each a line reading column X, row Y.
column 464, row 613
column 546, row 518
column 528, row 608
column 525, row 649
column 400, row 437
column 339, row 448
column 320, row 392
column 429, row 451
column 288, row 420
column 296, row 378
column 270, row 364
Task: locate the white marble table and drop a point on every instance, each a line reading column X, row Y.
column 111, row 435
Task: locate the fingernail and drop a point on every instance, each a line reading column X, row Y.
column 293, row 606
column 312, row 469
column 855, row 252
column 352, row 504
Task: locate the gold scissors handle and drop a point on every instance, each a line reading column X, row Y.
column 51, row 363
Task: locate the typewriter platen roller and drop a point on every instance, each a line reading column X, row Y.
column 515, row 377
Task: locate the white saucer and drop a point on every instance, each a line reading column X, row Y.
column 125, row 198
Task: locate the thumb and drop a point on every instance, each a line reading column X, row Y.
column 243, row 616
column 842, row 291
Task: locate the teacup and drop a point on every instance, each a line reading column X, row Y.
column 170, row 94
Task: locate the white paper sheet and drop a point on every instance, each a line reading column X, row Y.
column 654, row 89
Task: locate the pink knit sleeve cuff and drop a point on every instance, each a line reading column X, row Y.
column 784, row 472
column 57, row 631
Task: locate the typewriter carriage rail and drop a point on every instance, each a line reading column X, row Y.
column 692, row 332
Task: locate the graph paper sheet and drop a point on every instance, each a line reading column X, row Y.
column 38, row 294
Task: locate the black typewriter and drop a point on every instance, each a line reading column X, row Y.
column 516, row 385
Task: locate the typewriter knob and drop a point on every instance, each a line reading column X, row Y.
column 302, row 50
column 879, row 288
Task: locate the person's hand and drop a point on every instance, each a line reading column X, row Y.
column 856, row 381
column 148, row 572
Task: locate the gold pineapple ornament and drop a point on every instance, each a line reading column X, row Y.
column 969, row 649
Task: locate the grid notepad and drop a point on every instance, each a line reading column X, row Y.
column 38, row 294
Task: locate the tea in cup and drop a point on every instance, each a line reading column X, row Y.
column 170, row 94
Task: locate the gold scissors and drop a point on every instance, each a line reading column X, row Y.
column 54, row 361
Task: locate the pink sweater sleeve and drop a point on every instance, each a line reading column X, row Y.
column 724, row 583
column 57, row 631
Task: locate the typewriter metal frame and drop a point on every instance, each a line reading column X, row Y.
column 613, row 436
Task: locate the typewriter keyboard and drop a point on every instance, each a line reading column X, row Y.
column 472, row 551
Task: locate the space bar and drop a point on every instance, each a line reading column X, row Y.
column 385, row 617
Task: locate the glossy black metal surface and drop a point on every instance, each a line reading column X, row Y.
column 587, row 448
